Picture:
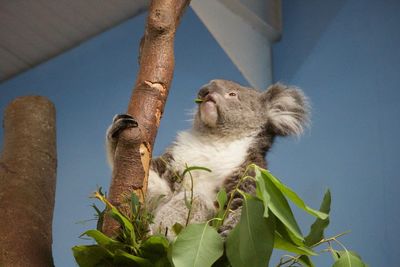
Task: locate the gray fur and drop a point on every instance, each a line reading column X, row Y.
column 229, row 112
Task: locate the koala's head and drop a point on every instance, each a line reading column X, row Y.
column 229, row 109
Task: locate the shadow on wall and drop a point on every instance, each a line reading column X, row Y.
column 323, row 13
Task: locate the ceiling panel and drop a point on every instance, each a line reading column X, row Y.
column 32, row 31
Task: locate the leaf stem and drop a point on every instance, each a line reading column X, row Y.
column 242, row 179
column 294, row 259
column 327, row 240
column 191, row 196
column 291, row 259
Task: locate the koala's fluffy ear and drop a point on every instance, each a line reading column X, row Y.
column 287, row 109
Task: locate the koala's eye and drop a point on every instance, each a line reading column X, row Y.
column 232, row 94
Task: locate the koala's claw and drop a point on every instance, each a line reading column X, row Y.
column 120, row 123
column 224, row 233
column 122, row 116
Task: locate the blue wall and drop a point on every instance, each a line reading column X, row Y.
column 344, row 54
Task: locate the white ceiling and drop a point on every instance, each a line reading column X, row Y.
column 32, row 31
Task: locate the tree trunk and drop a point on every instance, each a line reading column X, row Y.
column 135, row 145
column 27, row 183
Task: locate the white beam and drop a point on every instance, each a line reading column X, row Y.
column 246, row 36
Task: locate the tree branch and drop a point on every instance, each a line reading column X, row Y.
column 27, row 182
column 135, row 145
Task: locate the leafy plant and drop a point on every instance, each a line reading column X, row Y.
column 131, row 247
column 266, row 223
column 197, row 245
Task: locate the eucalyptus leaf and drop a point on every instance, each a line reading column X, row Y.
column 169, row 253
column 348, row 259
column 279, row 206
column 222, row 199
column 177, row 228
column 135, row 203
column 154, row 247
column 318, row 227
column 306, row 261
column 251, row 242
column 287, row 245
column 289, row 193
column 261, row 191
column 92, row 256
column 222, row 262
column 100, row 217
column 335, row 254
column 119, row 217
column 104, row 241
column 342, row 253
column 198, row 245
column 122, row 258
column 287, row 235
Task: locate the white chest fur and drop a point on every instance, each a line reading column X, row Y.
column 221, row 156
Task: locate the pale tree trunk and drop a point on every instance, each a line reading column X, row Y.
column 135, row 145
column 27, row 183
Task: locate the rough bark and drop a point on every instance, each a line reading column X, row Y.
column 27, row 183
column 135, row 145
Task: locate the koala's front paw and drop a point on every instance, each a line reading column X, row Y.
column 230, row 222
column 120, row 123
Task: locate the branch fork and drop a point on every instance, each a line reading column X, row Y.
column 135, row 145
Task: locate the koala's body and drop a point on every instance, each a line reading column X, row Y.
column 233, row 127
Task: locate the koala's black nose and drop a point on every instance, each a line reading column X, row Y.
column 212, row 86
column 204, row 92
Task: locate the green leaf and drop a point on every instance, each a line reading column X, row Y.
column 135, row 203
column 222, row 198
column 91, row 256
column 102, row 239
column 334, row 253
column 261, row 191
column 306, row 261
column 251, row 242
column 119, row 217
column 125, row 223
column 169, row 253
column 125, row 259
column 177, row 228
column 286, row 234
column 348, row 259
column 287, row 245
column 155, row 249
column 198, row 100
column 279, row 206
column 317, row 228
column 100, row 217
column 292, row 195
column 342, row 253
column 154, row 246
column 194, row 168
column 222, row 262
column 198, row 245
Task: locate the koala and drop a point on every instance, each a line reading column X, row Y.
column 233, row 127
